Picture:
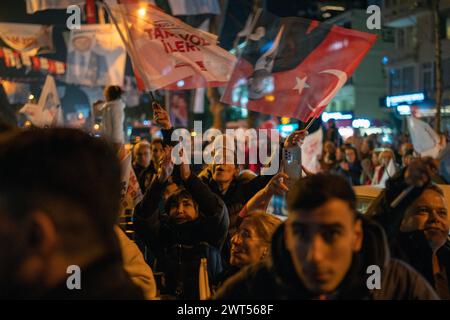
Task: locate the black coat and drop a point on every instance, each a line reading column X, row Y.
column 159, row 232
column 178, row 248
column 276, row 278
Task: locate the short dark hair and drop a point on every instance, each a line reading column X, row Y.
column 157, row 141
column 313, row 191
column 178, row 196
column 64, row 172
column 113, row 93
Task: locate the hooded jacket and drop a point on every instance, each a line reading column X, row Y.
column 276, row 278
column 179, row 247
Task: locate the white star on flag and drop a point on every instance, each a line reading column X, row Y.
column 300, row 84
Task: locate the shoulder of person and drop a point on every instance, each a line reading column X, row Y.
column 249, row 283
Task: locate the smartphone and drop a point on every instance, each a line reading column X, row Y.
column 292, row 161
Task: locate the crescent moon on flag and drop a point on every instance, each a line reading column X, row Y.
column 342, row 79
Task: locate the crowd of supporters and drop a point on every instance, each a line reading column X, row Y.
column 60, row 192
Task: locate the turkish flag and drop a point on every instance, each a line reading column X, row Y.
column 293, row 67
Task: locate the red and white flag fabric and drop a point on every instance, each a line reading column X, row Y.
column 29, row 39
column 311, row 150
column 131, row 193
column 48, row 111
column 168, row 53
column 293, row 67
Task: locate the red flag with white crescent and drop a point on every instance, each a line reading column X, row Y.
column 293, row 67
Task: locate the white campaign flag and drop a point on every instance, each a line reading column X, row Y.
column 48, row 111
column 96, row 56
column 199, row 97
column 168, row 53
column 39, row 5
column 389, row 171
column 311, row 149
column 424, row 139
column 131, row 193
column 29, row 39
column 194, row 7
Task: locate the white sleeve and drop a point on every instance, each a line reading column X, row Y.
column 117, row 118
column 134, row 264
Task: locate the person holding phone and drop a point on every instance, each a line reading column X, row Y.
column 351, row 168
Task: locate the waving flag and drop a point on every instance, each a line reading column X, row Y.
column 47, row 112
column 293, row 67
column 131, row 193
column 424, row 139
column 29, row 39
column 311, row 149
column 166, row 52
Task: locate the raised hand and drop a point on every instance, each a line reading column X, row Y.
column 161, row 116
column 295, row 139
column 165, row 165
column 418, row 173
column 277, row 184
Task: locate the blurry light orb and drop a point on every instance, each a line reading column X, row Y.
column 142, row 12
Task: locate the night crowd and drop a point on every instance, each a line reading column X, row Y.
column 204, row 232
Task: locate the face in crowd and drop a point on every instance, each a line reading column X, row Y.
column 339, row 154
column 224, row 169
column 143, row 154
column 429, row 213
column 385, row 157
column 350, row 155
column 322, row 237
column 251, row 243
column 329, row 147
column 182, row 208
column 157, row 151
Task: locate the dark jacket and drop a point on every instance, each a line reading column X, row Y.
column 104, row 279
column 276, row 278
column 353, row 175
column 179, row 247
column 413, row 248
column 146, row 175
column 161, row 232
